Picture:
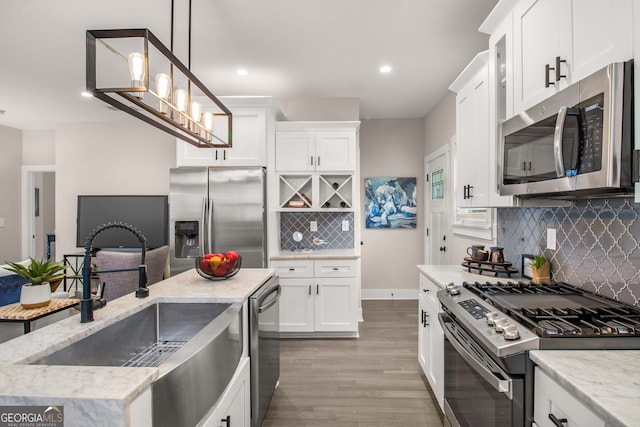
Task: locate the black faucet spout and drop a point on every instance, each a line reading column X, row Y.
column 86, row 303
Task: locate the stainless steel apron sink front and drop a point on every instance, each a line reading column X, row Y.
column 196, row 347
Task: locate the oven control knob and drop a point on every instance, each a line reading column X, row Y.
column 510, row 333
column 499, row 324
column 491, row 317
column 453, row 289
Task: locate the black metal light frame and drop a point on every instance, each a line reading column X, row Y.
column 153, row 117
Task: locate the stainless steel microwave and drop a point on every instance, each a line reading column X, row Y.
column 577, row 143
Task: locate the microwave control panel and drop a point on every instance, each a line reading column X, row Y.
column 592, row 123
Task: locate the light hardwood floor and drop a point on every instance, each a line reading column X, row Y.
column 374, row 380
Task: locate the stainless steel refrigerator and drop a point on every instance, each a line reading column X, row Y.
column 217, row 209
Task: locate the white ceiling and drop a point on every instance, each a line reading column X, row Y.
column 291, row 48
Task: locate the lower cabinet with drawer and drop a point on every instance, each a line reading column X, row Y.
column 318, row 297
column 555, row 406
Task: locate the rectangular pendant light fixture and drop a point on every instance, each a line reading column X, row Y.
column 134, row 72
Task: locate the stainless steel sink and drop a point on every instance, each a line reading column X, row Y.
column 196, row 346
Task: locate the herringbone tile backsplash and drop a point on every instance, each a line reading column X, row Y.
column 329, row 230
column 598, row 244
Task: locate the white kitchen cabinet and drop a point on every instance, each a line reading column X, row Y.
column 234, row 406
column 253, row 124
column 317, row 295
column 472, row 130
column 566, row 41
column 316, row 146
column 431, row 338
column 551, row 400
column 499, row 26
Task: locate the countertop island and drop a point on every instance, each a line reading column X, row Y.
column 103, row 395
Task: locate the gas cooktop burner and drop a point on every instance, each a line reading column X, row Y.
column 559, row 309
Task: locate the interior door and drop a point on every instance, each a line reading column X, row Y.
column 437, row 195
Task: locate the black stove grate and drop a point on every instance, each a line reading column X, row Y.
column 560, row 310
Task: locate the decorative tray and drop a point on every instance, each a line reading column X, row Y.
column 489, row 267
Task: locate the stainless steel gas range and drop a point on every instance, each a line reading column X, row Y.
column 490, row 328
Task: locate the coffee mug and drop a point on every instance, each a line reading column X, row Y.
column 473, row 249
column 480, row 255
column 496, row 255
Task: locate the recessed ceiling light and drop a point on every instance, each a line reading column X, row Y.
column 242, row 72
column 87, row 94
column 385, row 69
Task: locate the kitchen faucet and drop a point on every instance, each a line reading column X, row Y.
column 86, row 303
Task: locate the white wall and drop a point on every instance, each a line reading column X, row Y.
column 107, row 158
column 38, row 147
column 439, row 127
column 389, row 256
column 319, row 109
column 10, row 170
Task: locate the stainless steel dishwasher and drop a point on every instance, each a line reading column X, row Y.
column 264, row 347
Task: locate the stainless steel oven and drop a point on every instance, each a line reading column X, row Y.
column 477, row 391
column 490, row 329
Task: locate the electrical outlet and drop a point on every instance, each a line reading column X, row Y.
column 345, row 225
column 551, row 239
column 313, row 225
column 1, row 222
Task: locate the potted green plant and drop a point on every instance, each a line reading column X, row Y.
column 36, row 293
column 541, row 270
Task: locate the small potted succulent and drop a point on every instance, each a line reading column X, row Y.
column 36, row 293
column 541, row 270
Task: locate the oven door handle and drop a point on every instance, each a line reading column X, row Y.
column 501, row 385
column 270, row 303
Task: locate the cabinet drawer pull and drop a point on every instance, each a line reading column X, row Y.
column 292, row 269
column 318, row 164
column 311, row 160
column 224, row 155
column 335, row 269
column 309, row 289
column 317, row 289
column 227, row 420
column 559, row 422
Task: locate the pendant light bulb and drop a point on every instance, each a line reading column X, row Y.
column 196, row 112
column 181, row 104
column 163, row 89
column 137, row 69
column 207, row 122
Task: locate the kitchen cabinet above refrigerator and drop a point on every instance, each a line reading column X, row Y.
column 253, row 126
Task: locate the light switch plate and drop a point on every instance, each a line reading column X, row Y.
column 1, row 222
column 313, row 225
column 551, row 239
column 345, row 225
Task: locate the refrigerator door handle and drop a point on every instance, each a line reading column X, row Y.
column 203, row 224
column 210, row 227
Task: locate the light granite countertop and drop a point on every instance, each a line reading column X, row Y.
column 444, row 274
column 316, row 254
column 607, row 381
column 103, row 393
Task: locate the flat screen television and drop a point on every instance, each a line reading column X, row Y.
column 149, row 214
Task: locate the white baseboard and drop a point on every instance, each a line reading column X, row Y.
column 389, row 294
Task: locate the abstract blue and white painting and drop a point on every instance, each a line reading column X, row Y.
column 390, row 202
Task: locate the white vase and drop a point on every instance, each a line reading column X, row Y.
column 35, row 296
